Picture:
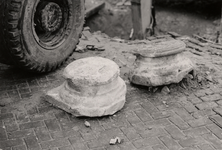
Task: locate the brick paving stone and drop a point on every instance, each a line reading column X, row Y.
column 30, row 125
column 154, row 132
column 20, row 134
column 76, row 139
column 199, row 122
column 54, row 143
column 175, row 132
column 88, row 136
column 40, row 117
column 218, row 110
column 217, row 120
column 6, row 116
column 99, row 142
column 203, row 113
column 127, row 146
column 183, row 114
column 215, row 130
column 45, row 109
column 20, row 147
column 216, row 90
column 195, row 100
column 99, row 148
column 42, row 134
column 213, row 97
column 196, row 131
column 206, row 147
column 54, row 148
column 22, row 118
column 113, row 147
column 200, row 93
column 190, row 148
column 206, row 105
column 131, row 133
column 112, row 133
column 64, row 134
column 209, row 91
column 132, row 118
column 219, row 102
column 161, row 115
column 158, row 123
column 143, row 115
column 66, row 148
column 160, row 147
column 192, row 141
column 215, row 142
column 179, row 122
column 10, row 143
column 140, row 143
column 31, row 111
column 3, row 135
column 11, row 127
column 32, row 142
column 169, row 106
column 149, row 107
column 8, row 148
column 13, row 94
column 170, row 143
column 52, row 125
column 67, row 125
column 189, row 107
column 62, row 116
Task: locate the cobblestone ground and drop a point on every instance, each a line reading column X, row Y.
column 185, row 119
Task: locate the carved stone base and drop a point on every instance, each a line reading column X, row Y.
column 93, row 88
column 161, row 64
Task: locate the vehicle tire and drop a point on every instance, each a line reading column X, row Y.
column 39, row 35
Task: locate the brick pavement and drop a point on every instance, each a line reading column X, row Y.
column 183, row 120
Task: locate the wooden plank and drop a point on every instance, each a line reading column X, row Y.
column 141, row 17
column 136, row 18
column 146, row 6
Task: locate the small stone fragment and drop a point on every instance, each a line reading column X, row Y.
column 164, row 102
column 80, row 49
column 199, row 78
column 183, row 86
column 154, row 90
column 117, row 140
column 87, row 124
column 149, row 128
column 165, row 90
column 209, row 78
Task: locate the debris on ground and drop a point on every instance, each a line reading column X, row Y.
column 165, row 90
column 87, row 124
column 115, row 141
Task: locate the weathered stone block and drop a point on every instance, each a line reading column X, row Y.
column 161, row 64
column 92, row 88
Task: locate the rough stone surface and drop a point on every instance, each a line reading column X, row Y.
column 92, row 88
column 161, row 65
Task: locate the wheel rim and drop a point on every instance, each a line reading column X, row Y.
column 50, row 23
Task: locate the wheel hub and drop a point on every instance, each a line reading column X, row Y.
column 51, row 17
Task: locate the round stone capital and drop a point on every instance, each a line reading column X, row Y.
column 161, row 49
column 91, row 71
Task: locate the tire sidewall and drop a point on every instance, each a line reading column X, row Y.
column 36, row 53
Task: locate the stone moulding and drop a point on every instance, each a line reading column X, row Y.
column 92, row 88
column 161, row 64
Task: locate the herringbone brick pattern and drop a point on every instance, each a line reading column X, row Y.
column 185, row 119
